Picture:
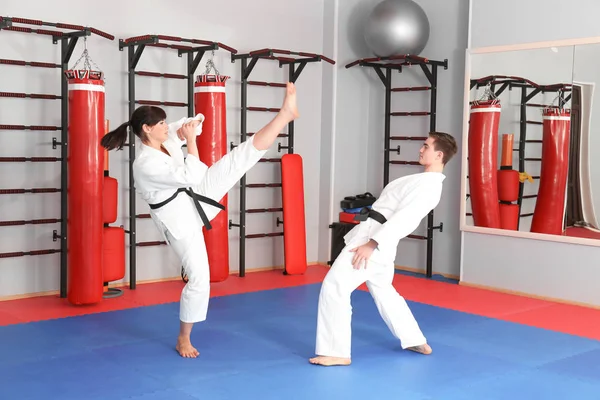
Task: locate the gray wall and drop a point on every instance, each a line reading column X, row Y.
column 248, row 25
column 352, row 139
column 538, row 267
column 496, row 23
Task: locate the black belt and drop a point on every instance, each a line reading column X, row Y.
column 366, row 213
column 197, row 199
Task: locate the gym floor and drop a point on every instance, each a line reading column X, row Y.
column 261, row 331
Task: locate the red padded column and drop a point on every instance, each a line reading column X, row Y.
column 294, row 223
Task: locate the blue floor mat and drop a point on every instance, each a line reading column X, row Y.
column 256, row 345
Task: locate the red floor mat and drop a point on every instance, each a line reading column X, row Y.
column 575, row 320
column 52, row 307
column 464, row 298
column 580, row 321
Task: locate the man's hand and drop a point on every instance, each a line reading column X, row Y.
column 363, row 253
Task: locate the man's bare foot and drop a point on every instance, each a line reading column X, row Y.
column 185, row 349
column 289, row 107
column 423, row 349
column 329, row 361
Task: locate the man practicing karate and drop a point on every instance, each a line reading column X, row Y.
column 369, row 257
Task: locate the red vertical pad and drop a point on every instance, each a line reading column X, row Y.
column 549, row 210
column 110, row 200
column 113, row 261
column 483, row 163
column 508, row 185
column 85, row 194
column 209, row 100
column 294, row 225
column 509, row 216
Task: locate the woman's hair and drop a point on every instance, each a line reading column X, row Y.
column 144, row 115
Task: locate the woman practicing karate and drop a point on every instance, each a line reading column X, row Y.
column 183, row 193
column 369, row 257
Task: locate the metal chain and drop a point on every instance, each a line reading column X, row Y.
column 211, row 65
column 88, row 60
column 487, row 95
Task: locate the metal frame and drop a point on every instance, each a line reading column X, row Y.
column 510, row 82
column 135, row 46
column 248, row 62
column 430, row 70
column 67, row 40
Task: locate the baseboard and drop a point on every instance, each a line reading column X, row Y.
column 126, row 283
column 408, row 269
column 531, row 296
column 424, row 272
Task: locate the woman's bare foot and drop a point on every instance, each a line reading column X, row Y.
column 185, row 349
column 423, row 349
column 329, row 361
column 289, row 107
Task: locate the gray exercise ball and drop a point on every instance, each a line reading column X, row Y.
column 397, row 27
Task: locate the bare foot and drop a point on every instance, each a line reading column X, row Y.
column 185, row 349
column 423, row 349
column 329, row 361
column 289, row 107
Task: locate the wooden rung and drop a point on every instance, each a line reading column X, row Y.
column 411, row 89
column 263, row 235
column 263, row 109
column 263, row 210
column 260, row 83
column 408, row 137
column 148, row 244
column 405, row 162
column 263, row 185
column 409, row 113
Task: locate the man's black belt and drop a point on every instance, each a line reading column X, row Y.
column 197, row 199
column 366, row 213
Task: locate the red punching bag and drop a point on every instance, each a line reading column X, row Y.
column 209, row 100
column 548, row 216
column 85, row 186
column 483, row 163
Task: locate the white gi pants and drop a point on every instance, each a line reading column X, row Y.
column 191, row 249
column 335, row 310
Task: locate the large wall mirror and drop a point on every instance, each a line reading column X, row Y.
column 533, row 129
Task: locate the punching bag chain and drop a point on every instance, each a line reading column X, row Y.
column 211, row 65
column 87, row 63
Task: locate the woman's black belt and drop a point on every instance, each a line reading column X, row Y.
column 197, row 199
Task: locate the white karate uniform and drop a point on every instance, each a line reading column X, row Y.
column 404, row 202
column 158, row 176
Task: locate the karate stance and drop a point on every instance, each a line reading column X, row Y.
column 369, row 257
column 175, row 187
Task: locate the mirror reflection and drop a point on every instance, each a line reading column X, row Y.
column 583, row 198
column 529, row 140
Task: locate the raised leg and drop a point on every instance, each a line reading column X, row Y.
column 225, row 173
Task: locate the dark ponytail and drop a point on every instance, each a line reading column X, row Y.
column 144, row 115
column 115, row 139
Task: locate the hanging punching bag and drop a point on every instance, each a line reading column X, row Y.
column 209, row 100
column 483, row 163
column 85, row 186
column 548, row 216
